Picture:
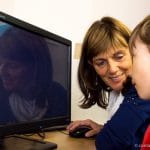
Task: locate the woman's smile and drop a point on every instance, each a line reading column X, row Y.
column 116, row 78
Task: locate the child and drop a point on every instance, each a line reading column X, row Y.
column 140, row 48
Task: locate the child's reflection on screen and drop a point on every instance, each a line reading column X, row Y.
column 27, row 90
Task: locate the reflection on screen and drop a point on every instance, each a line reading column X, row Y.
column 33, row 76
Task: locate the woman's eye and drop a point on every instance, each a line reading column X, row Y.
column 119, row 56
column 13, row 65
column 100, row 63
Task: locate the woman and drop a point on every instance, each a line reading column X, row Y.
column 104, row 66
column 140, row 49
column 27, row 90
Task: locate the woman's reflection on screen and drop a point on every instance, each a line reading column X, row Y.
column 27, row 90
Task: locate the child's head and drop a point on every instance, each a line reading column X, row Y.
column 140, row 49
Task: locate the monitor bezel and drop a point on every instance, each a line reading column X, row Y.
column 44, row 124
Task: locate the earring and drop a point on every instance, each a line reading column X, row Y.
column 96, row 81
column 108, row 88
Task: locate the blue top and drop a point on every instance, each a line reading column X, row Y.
column 126, row 128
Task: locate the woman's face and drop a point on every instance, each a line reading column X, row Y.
column 113, row 67
column 13, row 74
column 141, row 69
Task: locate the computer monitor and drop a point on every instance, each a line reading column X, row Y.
column 35, row 78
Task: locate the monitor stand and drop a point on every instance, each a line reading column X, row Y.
column 21, row 143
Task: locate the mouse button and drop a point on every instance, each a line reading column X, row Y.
column 79, row 132
column 83, row 126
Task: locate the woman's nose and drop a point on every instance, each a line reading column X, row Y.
column 112, row 67
column 2, row 69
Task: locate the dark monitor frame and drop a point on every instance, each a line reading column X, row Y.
column 50, row 123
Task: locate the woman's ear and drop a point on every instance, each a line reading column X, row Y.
column 90, row 62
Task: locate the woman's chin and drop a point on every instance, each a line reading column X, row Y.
column 117, row 87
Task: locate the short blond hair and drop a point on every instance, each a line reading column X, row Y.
column 141, row 31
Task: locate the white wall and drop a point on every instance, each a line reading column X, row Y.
column 70, row 19
column 128, row 11
column 7, row 6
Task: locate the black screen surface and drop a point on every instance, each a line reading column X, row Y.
column 35, row 77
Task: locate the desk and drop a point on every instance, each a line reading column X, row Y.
column 66, row 142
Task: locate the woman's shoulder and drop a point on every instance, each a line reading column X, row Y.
column 57, row 87
column 57, row 91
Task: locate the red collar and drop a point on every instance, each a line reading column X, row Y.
column 146, row 141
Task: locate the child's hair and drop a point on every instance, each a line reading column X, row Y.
column 141, row 32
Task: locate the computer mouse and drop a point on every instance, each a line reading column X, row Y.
column 80, row 131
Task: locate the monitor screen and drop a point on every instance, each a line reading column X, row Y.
column 35, row 78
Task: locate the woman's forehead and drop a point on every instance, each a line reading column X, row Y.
column 111, row 52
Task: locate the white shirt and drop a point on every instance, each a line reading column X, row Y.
column 26, row 110
column 115, row 100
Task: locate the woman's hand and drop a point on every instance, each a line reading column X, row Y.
column 95, row 127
